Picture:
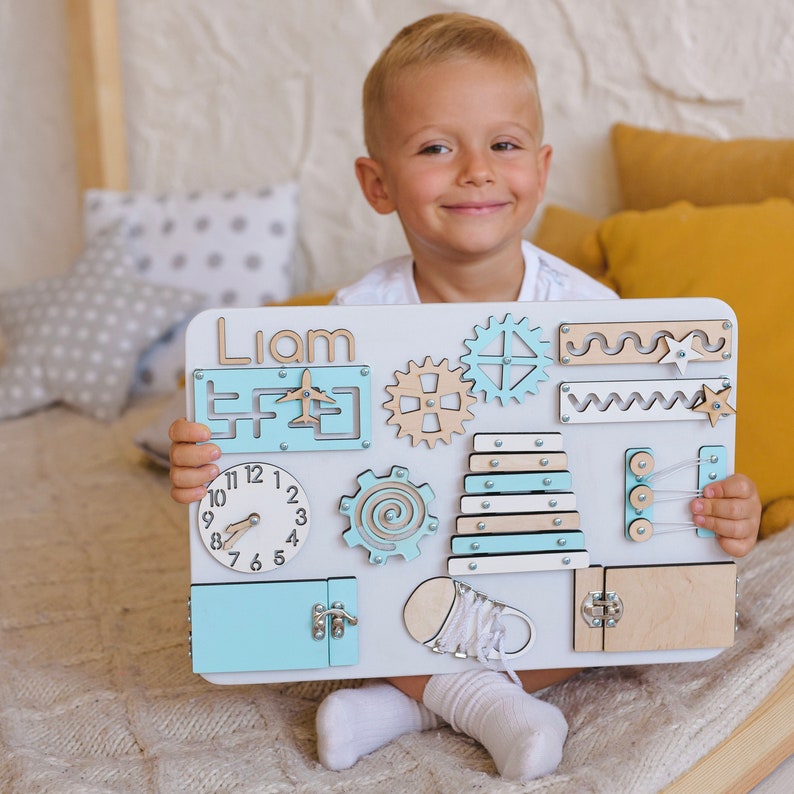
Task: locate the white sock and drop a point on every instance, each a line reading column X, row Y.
column 354, row 722
column 524, row 735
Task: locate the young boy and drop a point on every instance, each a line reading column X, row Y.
column 454, row 132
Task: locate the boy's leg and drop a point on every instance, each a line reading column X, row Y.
column 524, row 735
column 352, row 723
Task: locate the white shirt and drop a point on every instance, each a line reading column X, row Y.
column 546, row 278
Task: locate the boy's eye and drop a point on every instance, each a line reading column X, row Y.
column 435, row 148
column 504, row 146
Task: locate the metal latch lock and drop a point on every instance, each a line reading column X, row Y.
column 338, row 617
column 602, row 609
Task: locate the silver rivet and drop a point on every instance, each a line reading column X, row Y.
column 344, row 507
column 611, row 623
column 481, row 525
column 547, row 480
column 544, row 461
column 712, row 475
column 431, row 403
column 566, row 560
column 498, row 442
column 726, row 325
column 472, row 566
column 557, row 522
column 378, row 560
column 565, row 387
column 562, row 542
column 489, row 483
column 365, row 370
column 507, row 360
column 565, row 329
column 283, row 446
column 282, row 373
column 566, row 359
column 400, row 473
column 566, row 418
column 475, row 546
column 494, row 463
column 597, row 623
column 538, row 442
column 486, row 505
column 432, row 526
column 552, row 503
column 366, row 444
column 198, row 374
column 726, row 356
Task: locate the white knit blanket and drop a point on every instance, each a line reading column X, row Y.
column 96, row 692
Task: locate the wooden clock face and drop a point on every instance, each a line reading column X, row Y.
column 255, row 517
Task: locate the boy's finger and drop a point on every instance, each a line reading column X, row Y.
column 183, row 432
column 193, row 454
column 193, row 477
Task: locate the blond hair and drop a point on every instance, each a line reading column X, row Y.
column 433, row 40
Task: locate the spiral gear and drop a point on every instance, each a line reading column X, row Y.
column 520, row 371
column 429, row 402
column 388, row 515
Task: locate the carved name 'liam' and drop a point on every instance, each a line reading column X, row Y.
column 289, row 347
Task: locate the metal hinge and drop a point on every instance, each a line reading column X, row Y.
column 338, row 617
column 601, row 609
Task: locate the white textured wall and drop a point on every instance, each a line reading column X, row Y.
column 254, row 91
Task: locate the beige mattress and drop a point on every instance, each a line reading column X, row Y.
column 96, row 691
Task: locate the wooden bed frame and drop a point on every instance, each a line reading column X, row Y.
column 763, row 741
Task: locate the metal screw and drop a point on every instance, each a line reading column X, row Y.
column 198, row 374
column 283, row 446
column 538, row 442
column 472, row 566
column 566, row 418
column 282, row 373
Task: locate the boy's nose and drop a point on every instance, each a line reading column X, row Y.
column 476, row 169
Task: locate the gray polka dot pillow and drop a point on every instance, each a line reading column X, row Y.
column 236, row 247
column 76, row 338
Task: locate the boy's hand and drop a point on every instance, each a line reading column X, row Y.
column 191, row 462
column 731, row 509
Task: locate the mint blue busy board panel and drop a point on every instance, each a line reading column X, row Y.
column 419, row 489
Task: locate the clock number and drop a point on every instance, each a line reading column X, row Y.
column 278, row 557
column 217, row 497
column 301, row 518
column 277, row 475
column 207, row 516
column 293, row 538
column 215, row 541
column 234, row 554
column 254, row 473
column 293, row 492
column 256, row 563
column 231, row 480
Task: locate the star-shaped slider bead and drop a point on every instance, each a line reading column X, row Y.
column 715, row 404
column 680, row 353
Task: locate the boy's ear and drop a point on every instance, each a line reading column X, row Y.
column 370, row 177
column 544, row 164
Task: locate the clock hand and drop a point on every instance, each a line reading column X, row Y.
column 239, row 529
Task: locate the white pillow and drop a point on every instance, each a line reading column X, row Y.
column 236, row 247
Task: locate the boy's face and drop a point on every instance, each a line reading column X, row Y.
column 460, row 161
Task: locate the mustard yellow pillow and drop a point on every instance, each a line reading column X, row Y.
column 657, row 168
column 318, row 298
column 572, row 236
column 743, row 254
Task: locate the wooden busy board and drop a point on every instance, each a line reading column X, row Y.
column 406, row 488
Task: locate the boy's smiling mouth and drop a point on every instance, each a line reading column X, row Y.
column 475, row 207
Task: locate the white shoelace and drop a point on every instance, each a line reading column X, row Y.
column 475, row 629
